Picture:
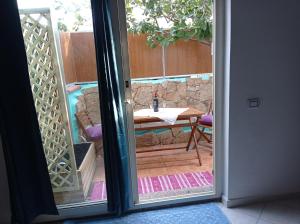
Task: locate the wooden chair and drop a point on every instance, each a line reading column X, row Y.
column 200, row 128
column 202, row 125
column 85, row 121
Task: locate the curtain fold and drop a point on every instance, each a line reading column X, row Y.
column 112, row 108
column 29, row 183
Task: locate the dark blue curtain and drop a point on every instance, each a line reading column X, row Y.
column 29, row 183
column 112, row 107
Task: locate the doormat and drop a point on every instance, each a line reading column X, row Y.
column 163, row 186
column 194, row 214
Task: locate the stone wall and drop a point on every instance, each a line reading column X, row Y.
column 189, row 92
column 193, row 92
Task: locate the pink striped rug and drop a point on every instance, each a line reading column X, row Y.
column 163, row 186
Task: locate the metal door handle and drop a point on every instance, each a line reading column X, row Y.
column 128, row 101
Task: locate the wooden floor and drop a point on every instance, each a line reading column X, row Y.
column 166, row 162
column 156, row 163
column 173, row 161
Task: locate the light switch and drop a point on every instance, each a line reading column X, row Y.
column 254, row 102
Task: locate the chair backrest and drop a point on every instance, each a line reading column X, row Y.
column 210, row 110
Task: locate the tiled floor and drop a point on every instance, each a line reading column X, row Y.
column 276, row 212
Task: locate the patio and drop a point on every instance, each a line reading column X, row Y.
column 161, row 164
column 152, row 160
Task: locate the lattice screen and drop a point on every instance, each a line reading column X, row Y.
column 48, row 93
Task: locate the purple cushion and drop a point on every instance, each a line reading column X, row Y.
column 207, row 119
column 94, row 132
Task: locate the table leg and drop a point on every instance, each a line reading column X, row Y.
column 199, row 156
column 192, row 136
column 190, row 139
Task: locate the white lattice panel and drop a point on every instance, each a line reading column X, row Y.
column 48, row 93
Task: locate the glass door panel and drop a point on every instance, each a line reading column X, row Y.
column 170, row 62
column 62, row 70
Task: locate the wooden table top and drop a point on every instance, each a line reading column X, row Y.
column 191, row 112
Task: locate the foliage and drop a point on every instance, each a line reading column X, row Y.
column 162, row 21
column 79, row 21
column 166, row 21
column 61, row 26
column 73, row 15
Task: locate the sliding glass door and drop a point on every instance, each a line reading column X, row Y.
column 167, row 58
column 155, row 59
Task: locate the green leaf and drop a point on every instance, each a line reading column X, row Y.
column 187, row 19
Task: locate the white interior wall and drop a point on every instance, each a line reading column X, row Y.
column 263, row 144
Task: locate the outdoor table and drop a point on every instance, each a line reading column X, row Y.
column 191, row 117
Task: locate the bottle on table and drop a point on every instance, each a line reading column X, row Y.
column 155, row 102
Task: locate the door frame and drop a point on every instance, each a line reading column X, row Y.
column 81, row 210
column 120, row 29
column 72, row 211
